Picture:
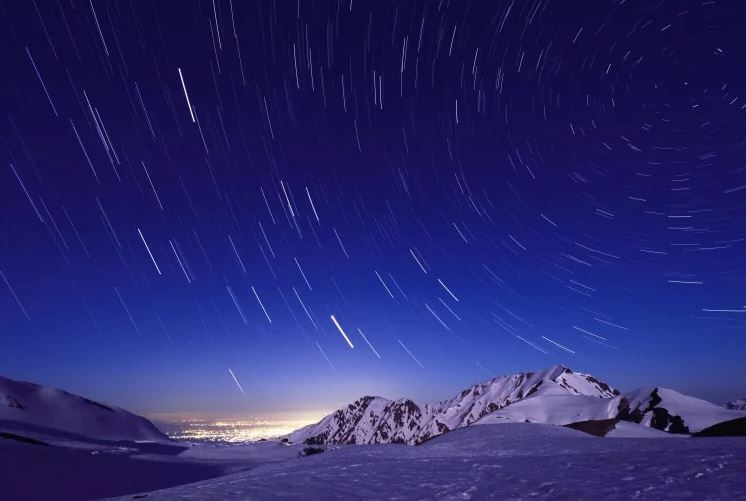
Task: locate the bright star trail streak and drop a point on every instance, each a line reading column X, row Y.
column 149, row 253
column 368, row 343
column 410, row 354
column 186, row 95
column 261, row 304
column 503, row 186
column 13, row 293
column 237, row 383
column 341, row 331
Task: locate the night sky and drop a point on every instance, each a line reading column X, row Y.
column 190, row 190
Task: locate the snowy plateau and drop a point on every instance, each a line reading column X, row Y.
column 552, row 434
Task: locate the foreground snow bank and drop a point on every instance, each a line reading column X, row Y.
column 507, row 461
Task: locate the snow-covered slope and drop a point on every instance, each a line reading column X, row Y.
column 671, row 411
column 555, row 409
column 626, row 429
column 23, row 403
column 378, row 420
column 736, row 405
column 658, row 408
column 556, row 396
column 509, row 461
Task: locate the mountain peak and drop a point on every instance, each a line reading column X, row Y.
column 377, row 419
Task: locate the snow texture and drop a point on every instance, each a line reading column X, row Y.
column 28, row 405
column 738, row 404
column 506, row 462
column 379, row 420
column 556, row 395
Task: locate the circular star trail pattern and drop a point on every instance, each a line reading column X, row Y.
column 220, row 202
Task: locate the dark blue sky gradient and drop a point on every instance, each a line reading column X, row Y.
column 572, row 171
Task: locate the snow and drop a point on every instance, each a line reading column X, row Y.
column 625, row 429
column 697, row 414
column 379, row 420
column 738, row 404
column 508, row 461
column 260, row 452
column 49, row 410
column 554, row 409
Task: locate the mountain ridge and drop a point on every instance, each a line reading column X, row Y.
column 556, row 395
column 25, row 404
column 379, row 420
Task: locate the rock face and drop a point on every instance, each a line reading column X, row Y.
column 556, row 396
column 379, row 420
column 736, row 405
column 24, row 404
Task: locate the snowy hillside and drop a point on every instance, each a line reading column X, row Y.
column 556, row 396
column 555, row 409
column 737, row 405
column 671, row 411
column 510, row 461
column 23, row 403
column 379, row 420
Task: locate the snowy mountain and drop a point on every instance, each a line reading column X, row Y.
column 28, row 405
column 670, row 411
column 659, row 408
column 556, row 396
column 379, row 420
column 736, row 405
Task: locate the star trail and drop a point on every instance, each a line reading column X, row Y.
column 197, row 193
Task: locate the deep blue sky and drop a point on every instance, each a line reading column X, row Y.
column 557, row 165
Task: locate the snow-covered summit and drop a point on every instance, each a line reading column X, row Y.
column 23, row 404
column 379, row 420
column 671, row 411
column 557, row 395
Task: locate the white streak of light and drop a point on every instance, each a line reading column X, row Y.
column 590, row 333
column 261, row 304
column 341, row 331
column 237, row 256
column 449, row 309
column 16, row 297
column 418, row 262
column 149, row 253
column 42, row 82
column 532, row 345
column 324, row 355
column 384, row 284
column 237, row 383
column 312, row 206
column 558, row 345
column 436, row 317
column 371, row 346
column 609, row 323
column 305, row 309
column 189, row 105
column 341, row 244
column 302, row 274
column 179, row 260
column 158, row 199
column 410, row 353
column 235, row 301
column 38, row 214
column 448, row 290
